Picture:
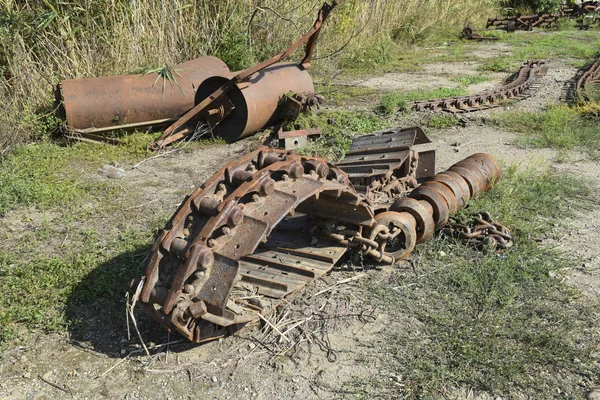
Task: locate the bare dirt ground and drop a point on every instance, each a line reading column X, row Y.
column 243, row 367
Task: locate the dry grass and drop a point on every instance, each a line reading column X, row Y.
column 42, row 42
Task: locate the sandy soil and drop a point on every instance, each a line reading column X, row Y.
column 241, row 367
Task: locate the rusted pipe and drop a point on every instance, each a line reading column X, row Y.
column 127, row 99
column 257, row 105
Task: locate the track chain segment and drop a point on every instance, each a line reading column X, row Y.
column 520, row 88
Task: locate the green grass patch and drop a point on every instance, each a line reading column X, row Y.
column 391, row 102
column 499, row 64
column 443, row 121
column 47, row 174
column 499, row 323
column 54, row 293
column 568, row 44
column 560, row 44
column 558, row 126
column 467, row 80
column 338, row 129
column 340, row 95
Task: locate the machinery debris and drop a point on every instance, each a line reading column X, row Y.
column 96, row 105
column 290, row 140
column 273, row 221
column 588, row 81
column 198, row 93
column 523, row 22
column 520, row 88
column 467, row 33
column 239, row 105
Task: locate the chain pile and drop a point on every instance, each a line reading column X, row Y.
column 482, row 232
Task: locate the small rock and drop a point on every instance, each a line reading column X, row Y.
column 442, row 253
column 214, row 379
column 123, row 351
column 47, row 375
column 593, row 395
column 497, row 398
column 27, row 375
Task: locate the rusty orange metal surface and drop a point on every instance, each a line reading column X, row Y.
column 126, row 99
column 257, row 105
column 272, row 221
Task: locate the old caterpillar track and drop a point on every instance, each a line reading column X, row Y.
column 523, row 22
column 270, row 222
column 588, row 80
column 520, row 88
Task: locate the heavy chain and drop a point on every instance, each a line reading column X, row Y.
column 482, row 232
column 373, row 246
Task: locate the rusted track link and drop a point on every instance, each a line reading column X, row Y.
column 272, row 221
column 383, row 165
column 520, row 88
column 589, row 80
column 523, row 22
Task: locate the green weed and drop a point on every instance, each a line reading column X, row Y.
column 47, row 175
column 391, row 102
column 42, row 293
column 558, row 126
column 499, row 64
column 501, row 323
column 341, row 95
column 443, row 121
column 338, row 129
column 467, row 80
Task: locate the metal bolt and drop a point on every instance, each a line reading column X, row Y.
column 188, row 289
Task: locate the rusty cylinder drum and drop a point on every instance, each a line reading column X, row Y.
column 256, row 106
column 127, row 99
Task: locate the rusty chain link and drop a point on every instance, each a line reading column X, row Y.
column 482, row 232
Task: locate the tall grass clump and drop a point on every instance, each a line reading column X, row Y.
column 45, row 41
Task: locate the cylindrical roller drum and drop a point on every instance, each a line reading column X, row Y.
column 256, row 106
column 127, row 99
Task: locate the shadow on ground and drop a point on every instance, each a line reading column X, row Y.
column 95, row 309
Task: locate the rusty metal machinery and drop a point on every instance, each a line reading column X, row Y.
column 523, row 22
column 272, row 221
column 383, row 165
column 589, row 80
column 520, row 88
column 251, row 99
column 258, row 104
column 91, row 104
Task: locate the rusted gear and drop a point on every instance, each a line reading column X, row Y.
column 457, row 185
column 520, row 88
column 470, row 178
column 445, row 191
column 437, row 202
